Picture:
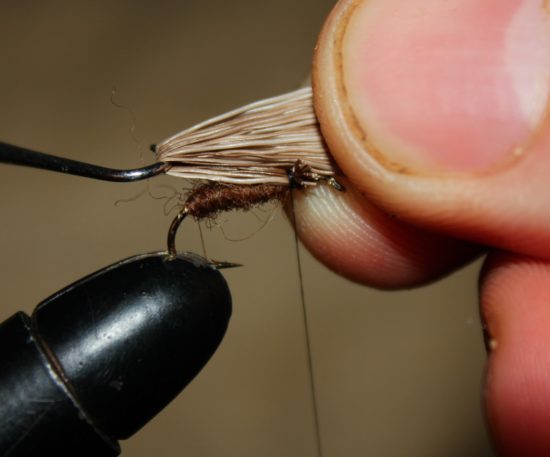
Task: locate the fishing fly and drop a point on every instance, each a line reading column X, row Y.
column 247, row 157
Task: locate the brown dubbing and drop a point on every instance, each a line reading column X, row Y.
column 210, row 199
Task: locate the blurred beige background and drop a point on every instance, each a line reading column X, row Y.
column 398, row 374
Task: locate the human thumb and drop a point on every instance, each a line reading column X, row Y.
column 437, row 112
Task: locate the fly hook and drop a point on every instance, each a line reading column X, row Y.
column 173, row 230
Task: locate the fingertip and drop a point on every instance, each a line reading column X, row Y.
column 453, row 138
column 428, row 86
column 515, row 305
column 357, row 240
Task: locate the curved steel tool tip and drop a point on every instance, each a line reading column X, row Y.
column 16, row 155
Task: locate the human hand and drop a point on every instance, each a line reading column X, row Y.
column 438, row 114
